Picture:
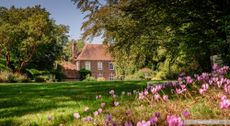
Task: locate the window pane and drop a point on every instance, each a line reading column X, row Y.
column 99, row 66
column 87, row 65
column 111, row 66
column 111, row 76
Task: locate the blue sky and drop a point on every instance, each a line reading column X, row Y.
column 63, row 11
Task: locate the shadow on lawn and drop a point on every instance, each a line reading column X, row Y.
column 20, row 99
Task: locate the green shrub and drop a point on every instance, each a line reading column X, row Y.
column 4, row 76
column 142, row 74
column 33, row 73
column 89, row 78
column 84, row 73
column 59, row 75
column 100, row 79
column 39, row 79
column 44, row 78
column 7, row 76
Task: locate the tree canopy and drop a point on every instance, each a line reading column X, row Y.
column 149, row 32
column 29, row 38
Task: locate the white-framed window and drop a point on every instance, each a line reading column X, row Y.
column 111, row 66
column 87, row 65
column 100, row 74
column 78, row 65
column 99, row 65
column 111, row 76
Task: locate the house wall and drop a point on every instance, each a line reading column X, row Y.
column 94, row 69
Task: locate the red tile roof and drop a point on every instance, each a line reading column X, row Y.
column 68, row 65
column 95, row 52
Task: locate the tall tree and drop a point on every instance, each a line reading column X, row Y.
column 189, row 30
column 29, row 38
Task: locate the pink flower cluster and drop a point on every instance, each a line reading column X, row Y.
column 173, row 120
column 152, row 121
column 225, row 103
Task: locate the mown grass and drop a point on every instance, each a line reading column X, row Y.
column 31, row 104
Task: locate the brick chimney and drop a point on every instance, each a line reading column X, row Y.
column 74, row 50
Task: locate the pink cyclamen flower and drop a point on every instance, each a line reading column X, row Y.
column 146, row 92
column 88, row 118
column 103, row 104
column 179, row 91
column 186, row 113
column 157, row 96
column 165, row 97
column 154, row 90
column 143, row 123
column 189, row 80
column 116, row 103
column 114, row 96
column 50, row 117
column 201, row 91
column 183, row 86
column 108, row 118
column 86, row 109
column 128, row 124
column 153, row 120
column 122, row 93
column 112, row 92
column 225, row 103
column 100, row 110
column 223, row 97
column 129, row 93
column 215, row 67
column 205, row 86
column 98, row 97
column 141, row 95
column 227, row 88
column 76, row 115
column 95, row 113
column 174, row 121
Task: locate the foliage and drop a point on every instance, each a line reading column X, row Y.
column 67, row 51
column 84, row 73
column 89, row 78
column 142, row 74
column 188, row 31
column 29, row 38
column 59, row 75
column 100, row 79
column 34, row 72
column 6, row 76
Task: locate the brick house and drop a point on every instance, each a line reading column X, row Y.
column 93, row 57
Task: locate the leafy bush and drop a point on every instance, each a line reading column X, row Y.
column 100, row 79
column 39, row 79
column 34, row 72
column 7, row 76
column 4, row 76
column 59, row 75
column 84, row 73
column 142, row 74
column 89, row 78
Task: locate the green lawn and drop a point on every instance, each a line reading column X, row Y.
column 32, row 103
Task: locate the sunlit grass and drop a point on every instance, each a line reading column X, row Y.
column 31, row 104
